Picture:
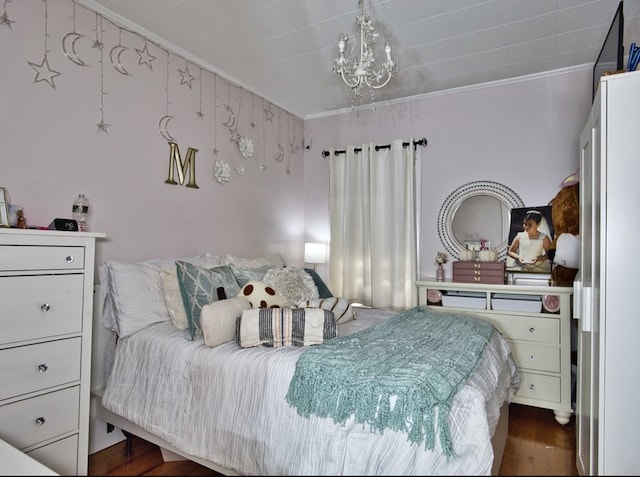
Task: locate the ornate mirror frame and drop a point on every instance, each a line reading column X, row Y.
column 504, row 194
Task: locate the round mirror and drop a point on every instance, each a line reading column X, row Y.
column 477, row 211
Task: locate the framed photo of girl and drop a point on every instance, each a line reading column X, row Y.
column 530, row 236
column 4, row 210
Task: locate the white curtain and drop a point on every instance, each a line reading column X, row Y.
column 373, row 220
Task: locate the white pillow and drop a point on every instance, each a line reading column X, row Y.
column 173, row 298
column 292, row 284
column 274, row 261
column 218, row 320
column 134, row 295
column 340, row 307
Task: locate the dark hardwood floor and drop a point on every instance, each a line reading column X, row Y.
column 537, row 445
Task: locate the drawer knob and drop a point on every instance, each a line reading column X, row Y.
column 69, row 258
column 532, row 386
column 532, row 330
column 43, row 368
column 532, row 357
column 40, row 421
column 45, row 307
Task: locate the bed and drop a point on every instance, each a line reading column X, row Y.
column 234, row 409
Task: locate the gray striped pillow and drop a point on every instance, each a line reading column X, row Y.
column 340, row 307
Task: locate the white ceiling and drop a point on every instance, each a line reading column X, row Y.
column 283, row 50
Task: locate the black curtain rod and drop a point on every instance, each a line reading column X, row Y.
column 420, row 142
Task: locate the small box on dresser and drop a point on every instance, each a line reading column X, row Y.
column 46, row 291
column 479, row 272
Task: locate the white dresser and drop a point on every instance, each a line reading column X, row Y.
column 540, row 340
column 46, row 297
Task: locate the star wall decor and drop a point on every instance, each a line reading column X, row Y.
column 103, row 127
column 199, row 112
column 145, row 58
column 42, row 69
column 268, row 114
column 4, row 18
column 44, row 72
column 186, row 77
column 235, row 136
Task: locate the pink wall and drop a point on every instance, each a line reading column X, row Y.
column 52, row 150
column 523, row 134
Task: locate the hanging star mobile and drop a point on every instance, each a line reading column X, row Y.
column 4, row 18
column 102, row 125
column 42, row 69
column 268, row 114
column 97, row 41
column 145, row 58
column 185, row 76
column 199, row 112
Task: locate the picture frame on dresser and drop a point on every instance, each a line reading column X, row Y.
column 4, row 209
column 545, row 226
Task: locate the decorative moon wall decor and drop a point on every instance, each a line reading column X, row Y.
column 69, row 47
column 280, row 156
column 116, row 62
column 163, row 125
column 231, row 117
column 273, row 142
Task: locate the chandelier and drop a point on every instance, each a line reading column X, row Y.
column 360, row 72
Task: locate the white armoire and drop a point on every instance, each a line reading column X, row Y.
column 606, row 290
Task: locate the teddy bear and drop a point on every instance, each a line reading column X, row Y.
column 565, row 214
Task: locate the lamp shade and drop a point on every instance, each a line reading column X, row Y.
column 315, row 252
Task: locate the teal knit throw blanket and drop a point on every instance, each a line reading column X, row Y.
column 422, row 357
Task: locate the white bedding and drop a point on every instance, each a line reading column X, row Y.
column 227, row 405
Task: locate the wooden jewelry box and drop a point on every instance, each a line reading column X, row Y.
column 479, row 272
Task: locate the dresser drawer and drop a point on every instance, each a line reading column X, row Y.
column 479, row 272
column 27, row 422
column 31, row 368
column 39, row 306
column 539, row 330
column 537, row 386
column 60, row 456
column 36, row 257
column 536, row 357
